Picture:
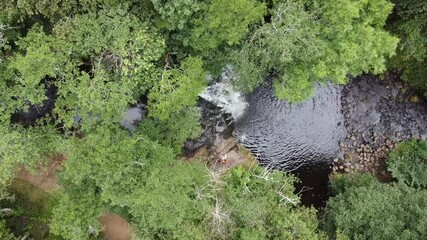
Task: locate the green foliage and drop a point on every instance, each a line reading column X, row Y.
column 410, row 25
column 178, row 88
column 31, row 210
column 75, row 215
column 41, row 60
column 255, row 204
column 175, row 130
column 341, row 183
column 176, row 13
column 5, row 232
column 119, row 49
column 224, row 23
column 308, row 42
column 171, row 199
column 408, row 163
column 136, row 175
column 122, row 53
column 50, row 9
column 103, row 55
column 171, row 206
column 25, row 147
column 377, row 211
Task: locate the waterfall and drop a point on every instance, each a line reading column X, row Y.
column 223, row 95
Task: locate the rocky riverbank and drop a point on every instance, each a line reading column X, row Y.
column 378, row 114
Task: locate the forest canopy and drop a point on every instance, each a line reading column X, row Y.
column 69, row 69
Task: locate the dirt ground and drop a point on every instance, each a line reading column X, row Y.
column 46, row 177
column 115, row 227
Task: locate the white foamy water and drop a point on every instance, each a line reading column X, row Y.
column 223, row 95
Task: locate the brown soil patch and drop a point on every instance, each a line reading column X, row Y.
column 115, row 227
column 229, row 154
column 46, row 177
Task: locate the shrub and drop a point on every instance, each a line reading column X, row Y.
column 376, row 211
column 408, row 163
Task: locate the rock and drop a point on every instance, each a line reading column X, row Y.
column 341, row 167
column 225, row 146
column 353, row 138
column 336, row 160
column 415, row 136
column 347, row 170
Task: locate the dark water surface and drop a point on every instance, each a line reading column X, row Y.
column 302, row 138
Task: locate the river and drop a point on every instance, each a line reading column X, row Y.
column 312, row 138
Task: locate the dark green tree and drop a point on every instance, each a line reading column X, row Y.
column 408, row 163
column 261, row 204
column 367, row 209
column 409, row 24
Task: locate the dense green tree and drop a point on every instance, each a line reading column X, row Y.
column 52, row 10
column 76, row 213
column 173, row 199
column 224, row 23
column 136, row 175
column 409, row 24
column 408, row 163
column 178, row 88
column 315, row 41
column 258, row 204
column 174, row 130
column 367, row 209
column 24, row 147
column 117, row 49
column 176, row 13
column 100, row 56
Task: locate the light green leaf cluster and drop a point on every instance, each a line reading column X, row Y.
column 5, row 232
column 40, row 59
column 76, row 213
column 172, row 199
column 224, row 23
column 176, row 13
column 178, row 88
